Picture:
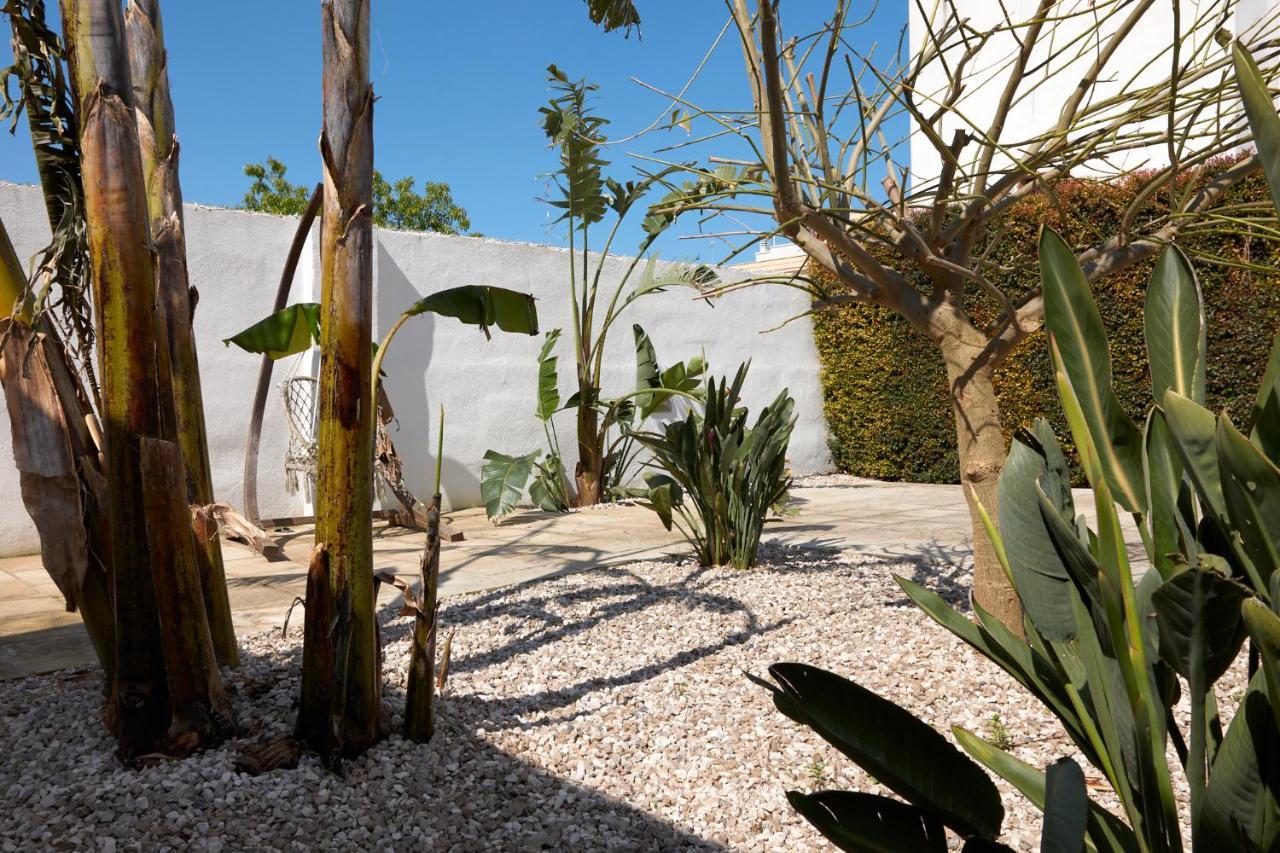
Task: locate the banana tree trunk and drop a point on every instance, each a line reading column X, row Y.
column 341, row 667
column 981, row 453
column 136, row 406
column 159, row 147
column 420, row 695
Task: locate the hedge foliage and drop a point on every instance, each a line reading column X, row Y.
column 884, row 383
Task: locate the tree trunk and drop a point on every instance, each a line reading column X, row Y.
column 344, row 464
column 137, row 406
column 201, row 711
column 981, row 452
column 159, row 147
column 590, row 469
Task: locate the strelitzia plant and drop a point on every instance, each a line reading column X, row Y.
column 503, row 478
column 1107, row 652
column 586, row 197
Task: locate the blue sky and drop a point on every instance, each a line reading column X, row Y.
column 459, row 85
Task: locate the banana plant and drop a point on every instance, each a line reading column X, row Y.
column 296, row 328
column 586, row 197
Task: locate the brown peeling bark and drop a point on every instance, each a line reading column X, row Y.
column 137, row 407
column 318, row 657
column 420, row 697
column 158, row 144
column 201, row 711
column 51, row 448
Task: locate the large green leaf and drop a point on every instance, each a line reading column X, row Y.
column 1076, row 329
column 288, row 331
column 1066, row 808
column 1264, row 629
column 1251, row 489
column 1162, row 467
column 1106, row 832
column 502, row 481
column 1240, row 810
column 1198, row 612
column 1265, row 426
column 1175, row 331
column 869, row 823
column 483, row 306
column 1195, row 435
column 1261, row 112
column 898, row 750
column 1039, row 577
column 548, row 378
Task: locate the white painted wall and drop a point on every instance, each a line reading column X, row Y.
column 1144, row 59
column 486, row 387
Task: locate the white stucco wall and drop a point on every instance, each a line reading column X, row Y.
column 486, row 387
column 1144, row 59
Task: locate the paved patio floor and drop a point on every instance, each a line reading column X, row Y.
column 924, row 523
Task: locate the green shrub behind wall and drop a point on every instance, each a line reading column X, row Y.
column 884, row 384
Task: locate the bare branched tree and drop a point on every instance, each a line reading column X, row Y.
column 978, row 101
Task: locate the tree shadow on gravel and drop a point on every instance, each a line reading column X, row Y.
column 536, row 624
column 458, row 793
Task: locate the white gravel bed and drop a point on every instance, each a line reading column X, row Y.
column 603, row 710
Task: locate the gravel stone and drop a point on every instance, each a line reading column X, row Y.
column 601, row 710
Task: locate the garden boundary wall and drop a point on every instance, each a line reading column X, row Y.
column 487, row 388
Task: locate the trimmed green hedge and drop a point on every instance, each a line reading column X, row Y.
column 885, row 388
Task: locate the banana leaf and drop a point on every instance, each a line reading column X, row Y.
column 502, row 481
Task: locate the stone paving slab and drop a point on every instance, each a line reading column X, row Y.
column 927, row 524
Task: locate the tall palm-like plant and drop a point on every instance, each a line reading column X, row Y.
column 586, row 197
column 341, row 693
column 168, row 692
column 158, row 142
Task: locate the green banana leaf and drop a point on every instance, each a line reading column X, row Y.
column 1194, row 434
column 294, row 329
column 1239, row 809
column 1162, row 470
column 1075, row 328
column 1265, row 425
column 897, row 749
column 869, row 823
column 287, row 332
column 483, row 306
column 502, row 481
column 1173, row 321
column 1039, row 576
column 1261, row 112
column 1264, row 629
